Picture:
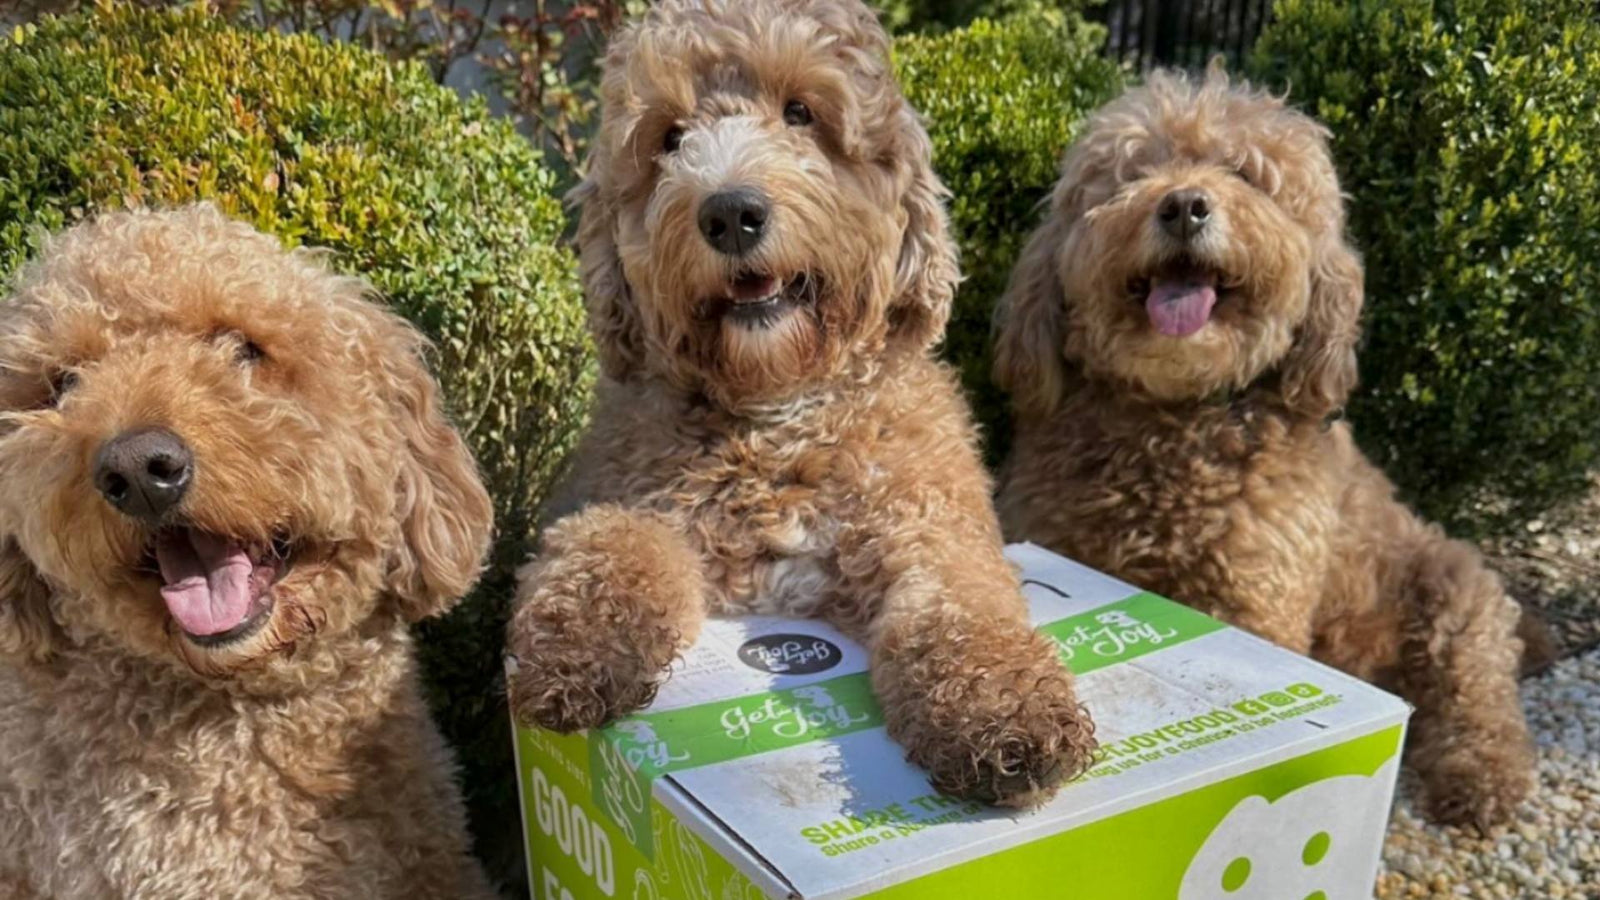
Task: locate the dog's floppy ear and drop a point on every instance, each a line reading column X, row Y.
column 927, row 271
column 1029, row 324
column 1320, row 369
column 444, row 512
column 27, row 630
column 613, row 318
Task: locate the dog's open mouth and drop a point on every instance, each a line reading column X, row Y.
column 759, row 299
column 1180, row 296
column 217, row 589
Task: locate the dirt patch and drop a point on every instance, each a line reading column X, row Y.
column 1552, row 565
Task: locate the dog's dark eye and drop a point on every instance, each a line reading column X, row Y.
column 61, row 383
column 672, row 140
column 250, row 352
column 1243, row 176
column 245, row 351
column 796, row 113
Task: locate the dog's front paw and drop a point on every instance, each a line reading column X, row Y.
column 572, row 688
column 599, row 618
column 1014, row 747
column 1005, row 729
column 579, row 662
column 1478, row 783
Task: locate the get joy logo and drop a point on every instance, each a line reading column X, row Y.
column 790, row 654
column 814, row 709
column 644, row 748
column 617, row 789
column 1113, row 634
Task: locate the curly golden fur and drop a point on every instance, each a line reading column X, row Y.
column 291, row 756
column 772, row 434
column 1192, row 449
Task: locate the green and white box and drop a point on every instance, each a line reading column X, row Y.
column 1229, row 770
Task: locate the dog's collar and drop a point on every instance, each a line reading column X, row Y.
column 1233, row 398
column 1226, row 397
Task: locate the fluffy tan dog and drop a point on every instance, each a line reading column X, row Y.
column 228, row 487
column 767, row 265
column 1178, row 337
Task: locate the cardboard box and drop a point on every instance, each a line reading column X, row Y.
column 1229, row 770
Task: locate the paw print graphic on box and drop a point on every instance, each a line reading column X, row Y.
column 1310, row 844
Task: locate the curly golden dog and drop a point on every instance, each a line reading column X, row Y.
column 228, row 488
column 1177, row 338
column 767, row 265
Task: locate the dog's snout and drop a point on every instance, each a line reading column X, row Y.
column 734, row 221
column 1184, row 213
column 144, row 473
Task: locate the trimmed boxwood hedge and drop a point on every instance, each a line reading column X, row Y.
column 448, row 212
column 1002, row 99
column 1465, row 132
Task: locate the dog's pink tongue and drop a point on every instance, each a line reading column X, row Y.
column 207, row 579
column 1179, row 307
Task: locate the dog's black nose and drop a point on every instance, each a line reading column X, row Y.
column 733, row 221
column 144, row 473
column 1184, row 213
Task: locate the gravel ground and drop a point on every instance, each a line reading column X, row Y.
column 1553, row 851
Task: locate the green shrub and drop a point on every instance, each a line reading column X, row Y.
column 448, row 212
column 1002, row 100
column 1465, row 132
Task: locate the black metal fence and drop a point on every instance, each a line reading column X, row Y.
column 1181, row 33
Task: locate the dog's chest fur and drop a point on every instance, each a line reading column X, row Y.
column 122, row 779
column 764, row 508
column 1200, row 510
column 765, row 504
